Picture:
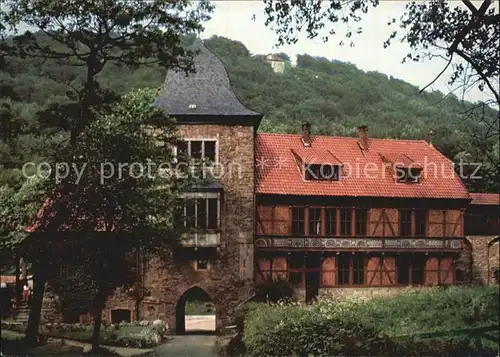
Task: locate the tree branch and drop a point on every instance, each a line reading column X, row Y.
column 480, row 72
column 439, row 75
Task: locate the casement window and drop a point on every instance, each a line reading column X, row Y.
column 331, row 221
column 201, row 150
column 322, row 172
column 361, row 221
column 358, row 269
column 408, row 175
column 420, row 223
column 202, row 265
column 199, row 212
column 350, row 269
column 298, row 217
column 410, row 269
column 405, row 223
column 346, row 221
column 314, row 221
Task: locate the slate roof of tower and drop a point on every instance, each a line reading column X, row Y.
column 209, row 89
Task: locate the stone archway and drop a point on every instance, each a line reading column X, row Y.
column 493, row 261
column 200, row 324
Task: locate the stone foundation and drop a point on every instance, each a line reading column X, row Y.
column 366, row 292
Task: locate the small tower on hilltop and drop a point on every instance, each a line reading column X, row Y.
column 277, row 62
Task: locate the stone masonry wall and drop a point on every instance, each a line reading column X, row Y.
column 230, row 278
column 494, row 258
column 484, row 258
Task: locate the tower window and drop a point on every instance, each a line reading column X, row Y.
column 204, row 150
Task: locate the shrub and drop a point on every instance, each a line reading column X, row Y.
column 387, row 326
column 274, row 291
column 241, row 312
column 292, row 330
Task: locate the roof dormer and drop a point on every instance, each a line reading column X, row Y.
column 318, row 165
column 404, row 169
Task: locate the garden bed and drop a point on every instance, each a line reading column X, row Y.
column 137, row 335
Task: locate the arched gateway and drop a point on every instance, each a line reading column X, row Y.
column 215, row 262
column 195, row 312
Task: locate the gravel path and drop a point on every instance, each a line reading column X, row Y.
column 187, row 346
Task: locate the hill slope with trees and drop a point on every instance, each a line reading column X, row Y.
column 335, row 97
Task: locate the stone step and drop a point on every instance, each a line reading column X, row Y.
column 22, row 314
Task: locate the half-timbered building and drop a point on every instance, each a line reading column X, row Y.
column 344, row 212
column 328, row 214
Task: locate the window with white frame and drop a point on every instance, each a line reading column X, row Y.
column 204, row 150
column 199, row 211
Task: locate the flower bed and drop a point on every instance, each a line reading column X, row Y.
column 143, row 334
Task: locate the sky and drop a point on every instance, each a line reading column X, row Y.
column 233, row 19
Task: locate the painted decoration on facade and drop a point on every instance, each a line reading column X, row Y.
column 359, row 243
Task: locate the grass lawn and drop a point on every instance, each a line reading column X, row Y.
column 13, row 345
column 199, row 308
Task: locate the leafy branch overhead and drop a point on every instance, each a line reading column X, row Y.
column 458, row 28
column 92, row 34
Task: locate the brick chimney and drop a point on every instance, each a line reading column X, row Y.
column 306, row 134
column 363, row 137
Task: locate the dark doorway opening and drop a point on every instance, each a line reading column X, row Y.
column 195, row 313
column 313, row 265
column 120, row 315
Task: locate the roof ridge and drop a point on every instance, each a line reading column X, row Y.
column 227, row 75
column 343, row 137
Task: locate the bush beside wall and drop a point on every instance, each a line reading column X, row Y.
column 388, row 326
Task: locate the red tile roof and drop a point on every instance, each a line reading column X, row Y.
column 278, row 172
column 315, row 156
column 399, row 160
column 492, row 199
column 7, row 279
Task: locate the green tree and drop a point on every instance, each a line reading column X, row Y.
column 463, row 30
column 92, row 34
column 120, row 200
column 466, row 35
column 17, row 209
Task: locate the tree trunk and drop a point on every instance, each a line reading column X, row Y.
column 24, row 270
column 39, row 281
column 18, row 284
column 96, row 334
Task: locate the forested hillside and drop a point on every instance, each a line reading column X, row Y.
column 335, row 97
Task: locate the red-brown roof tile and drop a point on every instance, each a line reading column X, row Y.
column 7, row 279
column 278, row 173
column 309, row 155
column 400, row 160
column 492, row 199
